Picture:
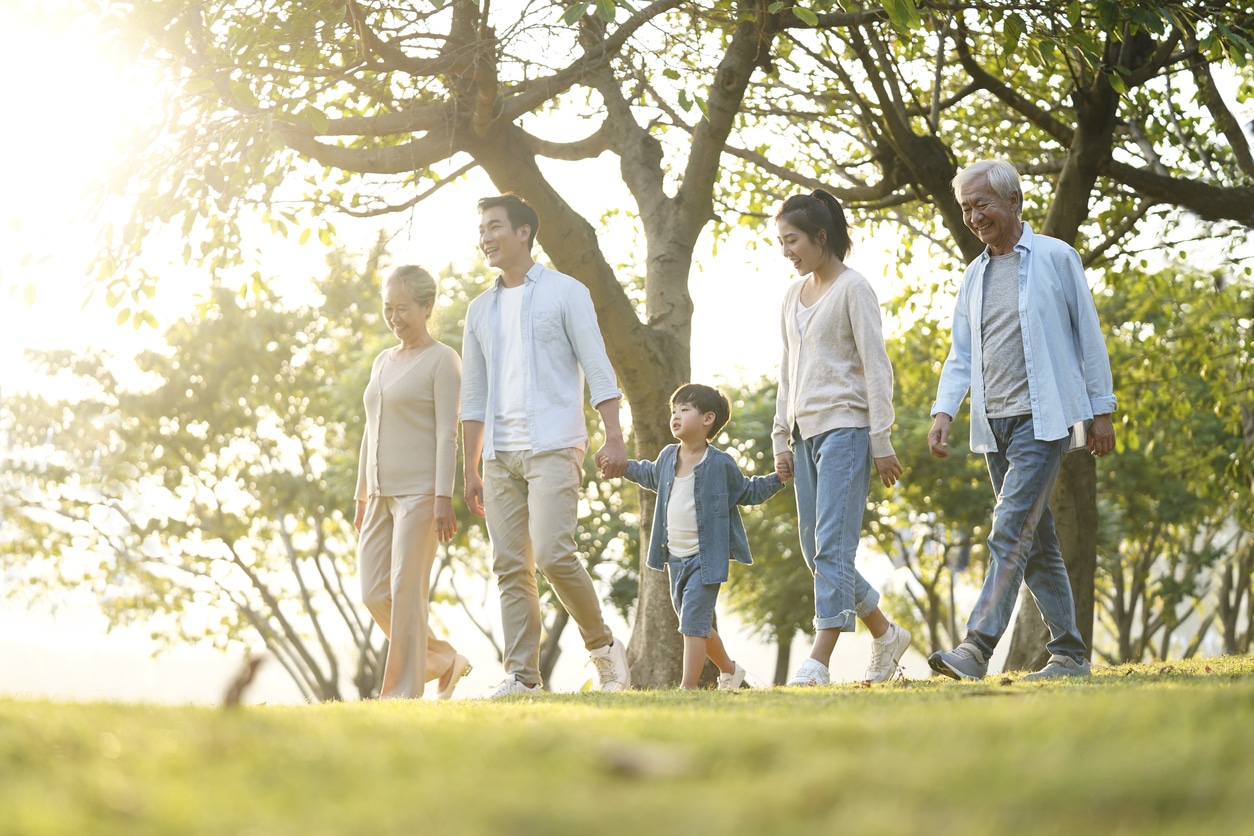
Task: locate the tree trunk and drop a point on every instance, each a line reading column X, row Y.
column 656, row 651
column 783, row 655
column 1074, row 503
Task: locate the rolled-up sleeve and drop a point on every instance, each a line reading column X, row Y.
column 580, row 320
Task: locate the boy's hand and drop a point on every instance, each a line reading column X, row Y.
column 783, row 465
column 611, row 459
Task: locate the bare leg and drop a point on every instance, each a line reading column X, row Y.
column 718, row 654
column 876, row 622
column 694, row 660
column 824, row 644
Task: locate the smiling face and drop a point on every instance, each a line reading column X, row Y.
column 690, row 424
column 503, row 246
column 993, row 218
column 405, row 318
column 805, row 253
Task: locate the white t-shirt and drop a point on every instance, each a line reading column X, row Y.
column 804, row 315
column 681, row 516
column 510, row 430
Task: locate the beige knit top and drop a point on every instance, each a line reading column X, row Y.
column 410, row 443
column 839, row 374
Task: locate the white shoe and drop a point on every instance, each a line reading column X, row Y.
column 732, row 681
column 811, row 672
column 886, row 653
column 512, row 686
column 461, row 667
column 611, row 665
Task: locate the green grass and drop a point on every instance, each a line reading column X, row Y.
column 1154, row 748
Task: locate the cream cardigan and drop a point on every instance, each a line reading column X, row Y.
column 410, row 443
column 839, row 374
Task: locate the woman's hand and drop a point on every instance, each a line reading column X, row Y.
column 889, row 470
column 445, row 519
column 361, row 515
column 783, row 465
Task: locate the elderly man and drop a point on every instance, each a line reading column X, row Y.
column 1027, row 344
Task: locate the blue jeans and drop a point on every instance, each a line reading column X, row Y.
column 832, row 475
column 1022, row 545
column 694, row 601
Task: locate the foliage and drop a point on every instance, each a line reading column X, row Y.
column 710, row 110
column 1175, row 502
column 1146, row 748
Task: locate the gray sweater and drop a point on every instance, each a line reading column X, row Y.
column 839, row 374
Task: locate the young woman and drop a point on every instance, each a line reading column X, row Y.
column 833, row 419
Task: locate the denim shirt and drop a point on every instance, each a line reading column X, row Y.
column 561, row 344
column 1069, row 378
column 718, row 488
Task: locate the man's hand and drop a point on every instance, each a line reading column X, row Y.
column 611, row 459
column 938, row 436
column 474, row 493
column 1101, row 435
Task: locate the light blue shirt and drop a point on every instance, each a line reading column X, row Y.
column 1069, row 378
column 561, row 344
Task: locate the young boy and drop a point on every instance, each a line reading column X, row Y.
column 696, row 524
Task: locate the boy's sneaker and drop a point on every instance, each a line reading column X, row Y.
column 886, row 653
column 1059, row 666
column 611, row 665
column 731, row 681
column 963, row 662
column 811, row 672
column 512, row 686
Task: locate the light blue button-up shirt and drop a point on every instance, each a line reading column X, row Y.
column 561, row 345
column 1068, row 368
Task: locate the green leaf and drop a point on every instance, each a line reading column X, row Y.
column 243, row 93
column 606, row 10
column 304, row 235
column 1117, row 83
column 805, row 16
column 573, row 12
column 904, row 14
column 123, row 315
column 317, row 120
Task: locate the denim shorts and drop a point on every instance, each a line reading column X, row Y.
column 694, row 601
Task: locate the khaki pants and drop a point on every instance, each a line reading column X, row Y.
column 532, row 501
column 395, row 553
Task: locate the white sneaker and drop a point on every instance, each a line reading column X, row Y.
column 811, row 672
column 512, row 686
column 886, row 652
column 732, row 681
column 611, row 665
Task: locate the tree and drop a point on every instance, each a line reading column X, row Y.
column 214, row 501
column 703, row 105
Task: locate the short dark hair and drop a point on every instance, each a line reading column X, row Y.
column 706, row 399
column 819, row 210
column 519, row 212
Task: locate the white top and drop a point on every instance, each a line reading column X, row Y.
column 681, row 518
column 804, row 315
column 510, row 431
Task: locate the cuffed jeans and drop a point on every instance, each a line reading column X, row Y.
column 832, row 475
column 531, row 502
column 1023, row 546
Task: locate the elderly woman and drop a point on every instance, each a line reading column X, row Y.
column 405, row 486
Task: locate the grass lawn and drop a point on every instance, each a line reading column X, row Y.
column 1148, row 748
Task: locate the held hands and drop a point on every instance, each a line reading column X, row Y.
column 611, row 459
column 889, row 470
column 1101, row 435
column 445, row 519
column 783, row 465
column 938, row 436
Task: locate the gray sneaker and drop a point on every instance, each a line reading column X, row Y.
column 963, row 662
column 1059, row 666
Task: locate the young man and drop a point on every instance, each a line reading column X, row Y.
column 529, row 342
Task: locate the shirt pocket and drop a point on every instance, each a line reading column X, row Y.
column 720, row 506
column 549, row 327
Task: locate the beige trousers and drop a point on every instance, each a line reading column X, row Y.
column 532, row 505
column 395, row 554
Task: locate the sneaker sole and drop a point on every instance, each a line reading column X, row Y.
column 936, row 663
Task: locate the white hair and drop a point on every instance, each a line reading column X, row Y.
column 1002, row 179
